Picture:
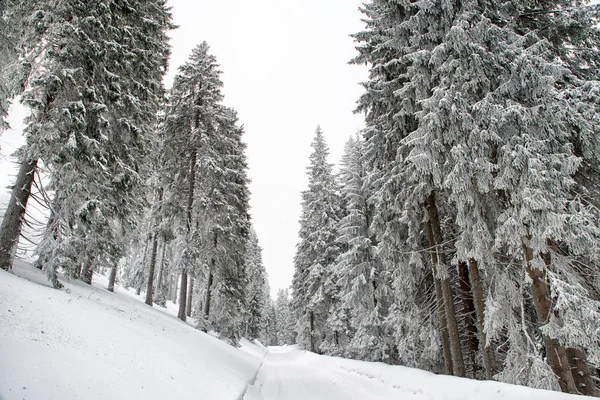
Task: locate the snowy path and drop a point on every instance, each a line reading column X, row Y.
column 290, row 374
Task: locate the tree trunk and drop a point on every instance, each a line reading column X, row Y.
column 440, row 306
column 581, row 371
column 542, row 300
column 161, row 268
column 112, row 277
column 182, row 295
column 150, row 286
column 190, row 204
column 190, row 292
column 455, row 347
column 311, row 335
column 10, row 230
column 468, row 312
column 209, row 283
column 87, row 272
column 175, row 279
column 487, row 352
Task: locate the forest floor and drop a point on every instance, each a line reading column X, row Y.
column 84, row 342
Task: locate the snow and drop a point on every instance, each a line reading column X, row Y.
column 87, row 343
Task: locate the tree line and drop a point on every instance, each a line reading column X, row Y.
column 146, row 183
column 461, row 232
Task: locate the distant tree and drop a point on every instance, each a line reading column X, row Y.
column 317, row 250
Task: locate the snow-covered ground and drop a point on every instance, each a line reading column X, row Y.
column 86, row 343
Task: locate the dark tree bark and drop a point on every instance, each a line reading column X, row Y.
column 455, row 347
column 161, row 268
column 468, row 313
column 112, row 277
column 311, row 317
column 209, row 282
column 190, row 204
column 190, row 292
column 182, row 296
column 441, row 313
column 87, row 272
column 150, row 286
column 489, row 358
column 10, row 230
column 580, row 371
column 542, row 300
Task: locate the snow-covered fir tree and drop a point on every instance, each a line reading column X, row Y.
column 91, row 120
column 318, row 248
column 480, row 109
column 257, row 290
column 364, row 287
column 285, row 321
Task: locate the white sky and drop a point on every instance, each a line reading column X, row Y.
column 285, row 70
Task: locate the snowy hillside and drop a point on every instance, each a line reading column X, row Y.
column 84, row 342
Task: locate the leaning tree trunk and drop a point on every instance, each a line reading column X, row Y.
column 468, row 312
column 542, row 300
column 441, row 313
column 455, row 347
column 487, row 352
column 10, row 230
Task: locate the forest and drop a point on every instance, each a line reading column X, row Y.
column 458, row 234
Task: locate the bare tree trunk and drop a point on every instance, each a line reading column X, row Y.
column 311, row 318
column 150, row 286
column 175, row 279
column 190, row 291
column 455, row 347
column 209, row 282
column 161, row 268
column 468, row 311
column 487, row 352
column 542, row 300
column 190, row 203
column 441, row 313
column 10, row 230
column 581, row 371
column 112, row 277
column 182, row 295
column 87, row 272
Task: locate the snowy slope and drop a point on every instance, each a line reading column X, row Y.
column 87, row 343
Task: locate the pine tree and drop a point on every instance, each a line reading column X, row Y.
column 285, row 322
column 317, row 250
column 257, row 290
column 90, row 121
column 190, row 119
column 364, row 287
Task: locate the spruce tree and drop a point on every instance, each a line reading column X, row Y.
column 317, row 250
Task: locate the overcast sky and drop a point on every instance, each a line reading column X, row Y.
column 285, row 70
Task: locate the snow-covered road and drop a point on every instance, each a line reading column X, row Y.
column 289, row 373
